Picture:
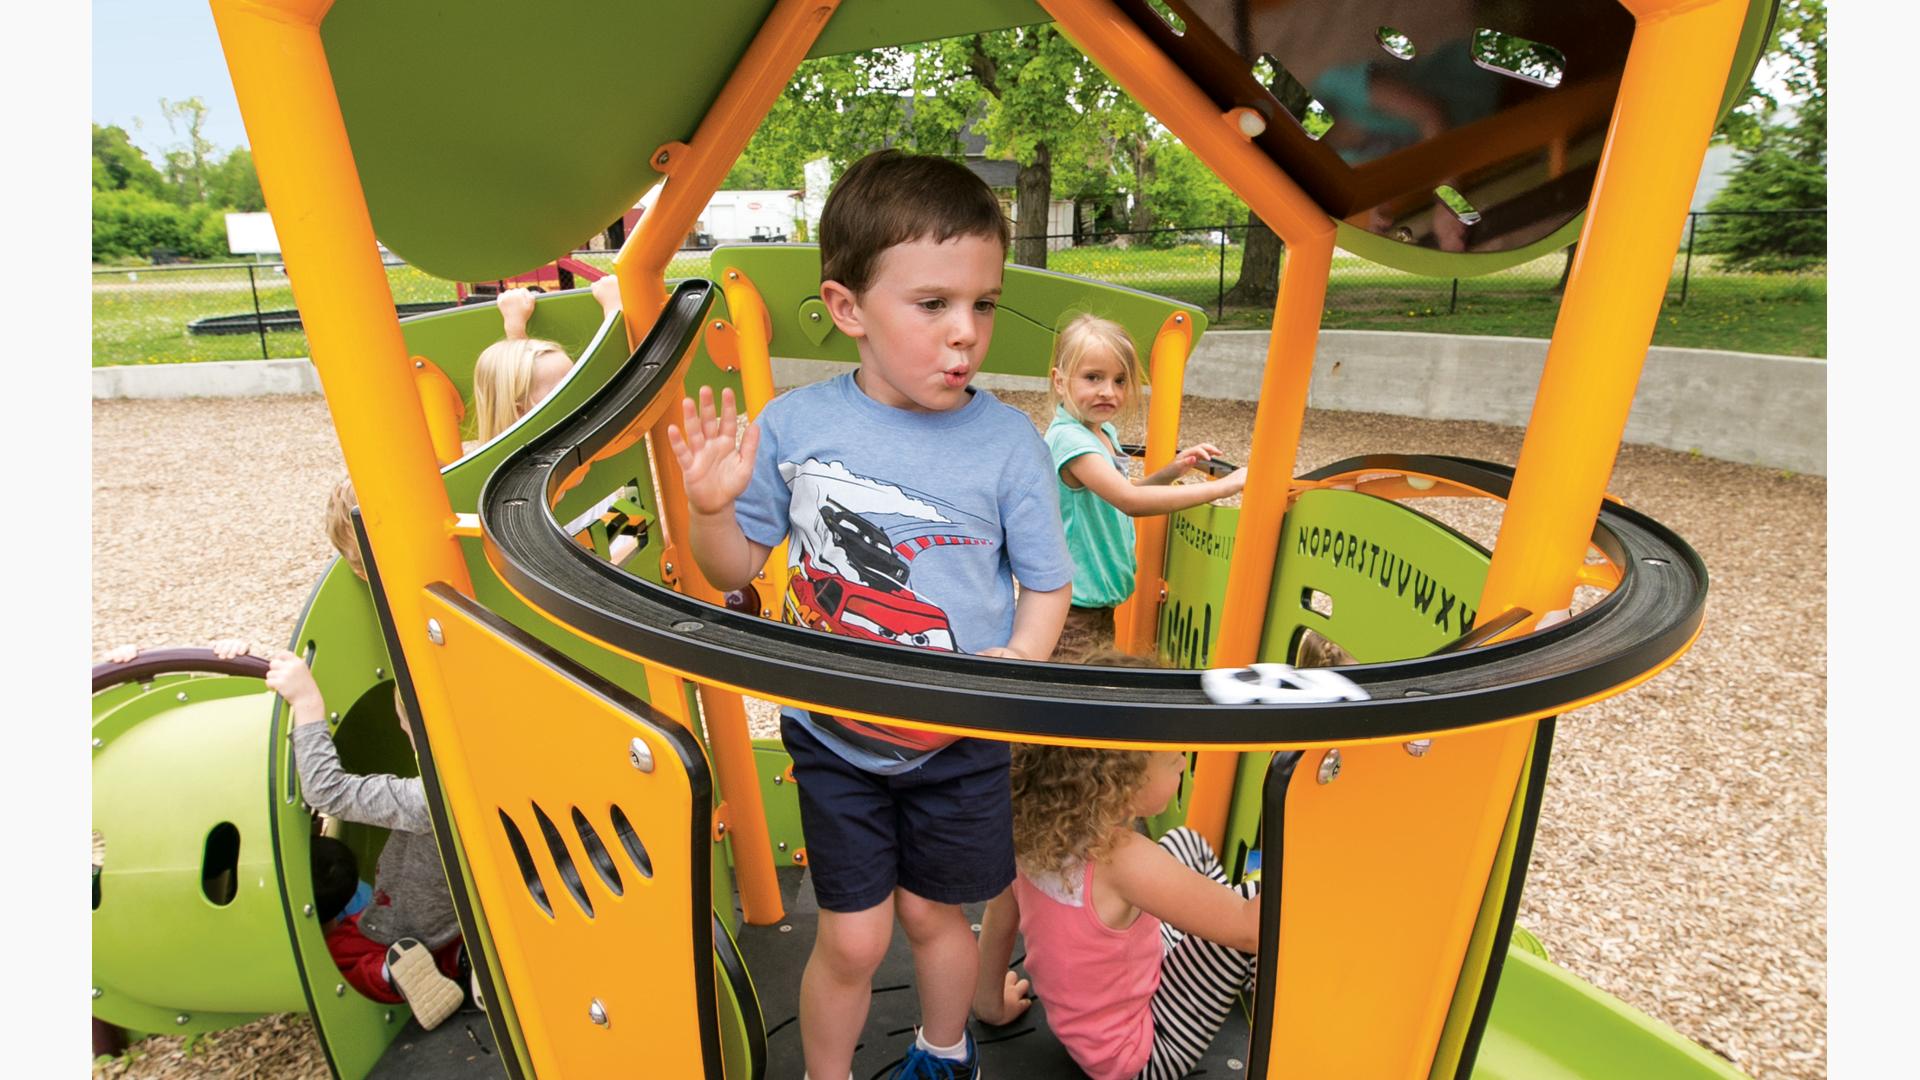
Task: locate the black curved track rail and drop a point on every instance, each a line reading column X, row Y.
column 1649, row 618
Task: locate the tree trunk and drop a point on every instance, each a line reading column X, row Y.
column 1259, row 280
column 1142, row 217
column 1035, row 190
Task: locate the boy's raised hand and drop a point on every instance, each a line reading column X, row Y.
column 288, row 676
column 715, row 469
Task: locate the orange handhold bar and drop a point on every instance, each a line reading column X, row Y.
column 1136, row 621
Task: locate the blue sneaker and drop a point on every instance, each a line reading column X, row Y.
column 921, row 1065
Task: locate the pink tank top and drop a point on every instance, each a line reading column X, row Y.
column 1097, row 982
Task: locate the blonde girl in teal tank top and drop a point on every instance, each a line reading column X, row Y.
column 1096, row 372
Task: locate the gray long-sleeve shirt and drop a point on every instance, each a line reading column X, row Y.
column 410, row 889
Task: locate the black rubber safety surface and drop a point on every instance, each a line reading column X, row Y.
column 461, row 1048
column 1025, row 1049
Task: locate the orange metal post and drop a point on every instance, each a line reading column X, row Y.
column 1670, row 91
column 1276, row 439
column 307, row 173
column 1133, row 61
column 751, row 321
column 1675, row 72
column 1135, row 621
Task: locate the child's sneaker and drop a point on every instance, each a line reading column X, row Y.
column 921, row 1064
column 414, row 973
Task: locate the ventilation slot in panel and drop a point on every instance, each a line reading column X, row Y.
column 528, row 872
column 597, row 853
column 630, row 840
column 1516, row 57
column 1312, row 116
column 563, row 861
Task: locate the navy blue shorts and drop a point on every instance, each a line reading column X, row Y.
column 943, row 831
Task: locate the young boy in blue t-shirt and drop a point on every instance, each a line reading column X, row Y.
column 910, row 503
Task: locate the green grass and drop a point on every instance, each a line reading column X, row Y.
column 140, row 316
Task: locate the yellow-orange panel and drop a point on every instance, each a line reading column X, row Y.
column 532, row 739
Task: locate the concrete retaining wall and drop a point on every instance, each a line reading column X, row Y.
column 1758, row 410
column 1745, row 407
column 212, row 378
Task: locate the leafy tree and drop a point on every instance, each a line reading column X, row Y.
column 1795, row 55
column 1029, row 92
column 233, row 183
column 118, row 165
column 187, row 164
column 1046, row 98
column 1770, row 177
column 845, row 106
column 1780, row 167
column 1181, row 191
column 128, row 222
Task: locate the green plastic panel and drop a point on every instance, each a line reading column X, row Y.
column 1374, row 622
column 1199, row 545
column 454, row 338
column 1199, row 549
column 114, row 696
column 780, row 799
column 1548, row 1025
column 492, row 136
column 1032, row 304
column 166, row 955
column 1401, row 584
column 355, row 676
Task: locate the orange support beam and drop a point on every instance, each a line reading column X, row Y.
column 292, row 116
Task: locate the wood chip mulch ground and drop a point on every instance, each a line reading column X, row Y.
column 1681, row 857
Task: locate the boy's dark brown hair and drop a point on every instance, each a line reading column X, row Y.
column 890, row 198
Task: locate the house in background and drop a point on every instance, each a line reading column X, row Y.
column 1003, row 176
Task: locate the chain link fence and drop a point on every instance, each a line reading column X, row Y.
column 1713, row 299
column 245, row 311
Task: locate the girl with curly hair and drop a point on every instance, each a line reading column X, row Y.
column 1138, row 948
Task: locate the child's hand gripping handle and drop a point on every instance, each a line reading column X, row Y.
column 292, row 678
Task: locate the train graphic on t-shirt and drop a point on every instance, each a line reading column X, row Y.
column 849, row 577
